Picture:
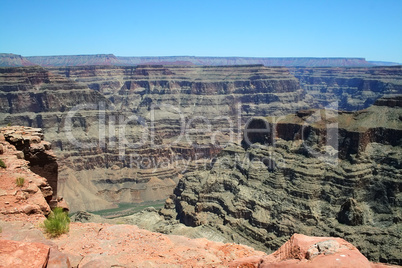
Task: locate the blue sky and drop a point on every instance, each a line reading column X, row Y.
column 352, row 28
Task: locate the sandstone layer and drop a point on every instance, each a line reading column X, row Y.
column 299, row 178
column 13, row 60
column 29, row 176
column 20, row 254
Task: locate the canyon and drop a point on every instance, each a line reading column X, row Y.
column 128, row 134
column 303, row 177
column 240, row 152
column 23, row 243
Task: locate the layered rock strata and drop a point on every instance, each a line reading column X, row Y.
column 124, row 134
column 352, row 88
column 300, row 176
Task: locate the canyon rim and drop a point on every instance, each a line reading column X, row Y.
column 248, row 154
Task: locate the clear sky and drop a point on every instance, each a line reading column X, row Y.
column 299, row 28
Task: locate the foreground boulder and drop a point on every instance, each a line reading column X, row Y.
column 306, row 251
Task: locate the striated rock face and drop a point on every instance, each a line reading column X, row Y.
column 186, row 112
column 298, row 178
column 353, row 88
column 141, row 126
column 34, row 97
column 126, row 134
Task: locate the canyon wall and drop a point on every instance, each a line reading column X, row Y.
column 23, row 242
column 127, row 134
column 28, row 188
column 298, row 175
column 124, row 134
column 353, row 88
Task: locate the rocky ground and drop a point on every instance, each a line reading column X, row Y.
column 103, row 245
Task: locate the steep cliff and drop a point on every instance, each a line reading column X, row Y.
column 353, row 88
column 126, row 134
column 301, row 176
column 31, row 96
column 23, row 243
column 28, row 187
column 123, row 134
column 180, row 114
column 188, row 90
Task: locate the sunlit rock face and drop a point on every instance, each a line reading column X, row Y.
column 28, row 178
column 351, row 88
column 300, row 176
column 126, row 134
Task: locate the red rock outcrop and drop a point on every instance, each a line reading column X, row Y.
column 105, row 245
column 31, row 160
column 306, row 251
column 23, row 254
column 36, row 151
